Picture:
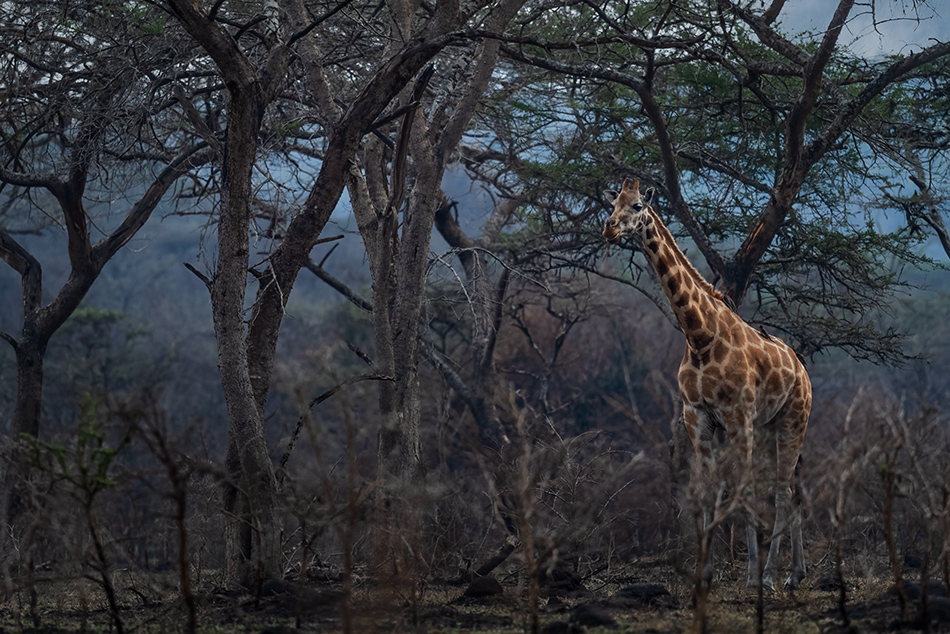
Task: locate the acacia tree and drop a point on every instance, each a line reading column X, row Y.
column 83, row 98
column 404, row 176
column 761, row 144
column 322, row 107
column 253, row 540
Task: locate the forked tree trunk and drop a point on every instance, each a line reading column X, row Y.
column 86, row 262
column 253, row 538
column 398, row 254
column 252, row 533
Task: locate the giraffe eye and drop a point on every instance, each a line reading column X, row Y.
column 638, row 207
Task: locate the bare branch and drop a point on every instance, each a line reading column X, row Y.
column 201, row 276
column 26, row 180
column 338, row 286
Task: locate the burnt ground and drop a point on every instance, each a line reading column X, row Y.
column 643, row 596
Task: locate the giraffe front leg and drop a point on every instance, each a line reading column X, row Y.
column 742, row 438
column 701, row 435
column 709, row 566
column 752, row 538
column 788, row 511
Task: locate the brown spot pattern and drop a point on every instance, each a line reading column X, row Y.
column 730, row 373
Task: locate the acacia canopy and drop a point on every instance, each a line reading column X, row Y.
column 780, row 158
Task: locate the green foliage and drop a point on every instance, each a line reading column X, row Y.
column 85, row 463
column 725, row 97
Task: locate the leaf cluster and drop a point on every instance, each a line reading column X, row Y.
column 85, row 464
column 576, row 121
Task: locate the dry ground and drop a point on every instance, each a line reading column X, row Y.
column 633, row 599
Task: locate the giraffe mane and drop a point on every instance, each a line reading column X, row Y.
column 695, row 275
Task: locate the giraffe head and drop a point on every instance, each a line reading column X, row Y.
column 630, row 210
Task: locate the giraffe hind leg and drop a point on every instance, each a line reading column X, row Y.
column 798, row 548
column 787, row 514
column 791, row 434
column 752, row 539
column 781, row 521
column 743, row 441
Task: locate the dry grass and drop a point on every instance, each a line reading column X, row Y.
column 150, row 603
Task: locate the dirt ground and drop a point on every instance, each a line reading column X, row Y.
column 644, row 596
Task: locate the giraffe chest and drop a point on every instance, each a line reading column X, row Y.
column 743, row 376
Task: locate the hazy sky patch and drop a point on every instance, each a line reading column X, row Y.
column 895, row 26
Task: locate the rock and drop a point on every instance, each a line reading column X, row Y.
column 277, row 587
column 560, row 580
column 482, row 587
column 561, row 627
column 641, row 595
column 828, row 583
column 592, row 615
column 288, row 598
column 912, row 589
column 938, row 608
column 938, row 611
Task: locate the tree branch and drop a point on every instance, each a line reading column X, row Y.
column 10, row 340
column 655, row 115
column 144, row 206
column 22, row 179
column 13, row 253
column 850, row 111
column 193, row 116
column 339, row 286
column 201, row 276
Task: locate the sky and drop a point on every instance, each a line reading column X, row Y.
column 898, row 29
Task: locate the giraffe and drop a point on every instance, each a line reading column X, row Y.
column 732, row 376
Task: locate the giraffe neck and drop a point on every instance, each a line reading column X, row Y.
column 692, row 298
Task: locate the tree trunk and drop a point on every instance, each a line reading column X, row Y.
column 26, row 416
column 399, row 452
column 252, row 533
column 253, row 538
column 29, row 393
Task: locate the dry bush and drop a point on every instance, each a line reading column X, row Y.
column 878, row 487
column 875, row 487
column 119, row 501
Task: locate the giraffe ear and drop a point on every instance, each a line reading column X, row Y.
column 610, row 196
column 647, row 198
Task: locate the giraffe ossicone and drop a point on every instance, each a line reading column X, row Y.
column 732, row 376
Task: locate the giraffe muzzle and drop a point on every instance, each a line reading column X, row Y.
column 610, row 233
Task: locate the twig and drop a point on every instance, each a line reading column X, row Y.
column 201, row 276
column 282, row 470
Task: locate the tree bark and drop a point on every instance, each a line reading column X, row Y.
column 253, row 544
column 252, row 531
column 399, row 260
column 304, row 230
